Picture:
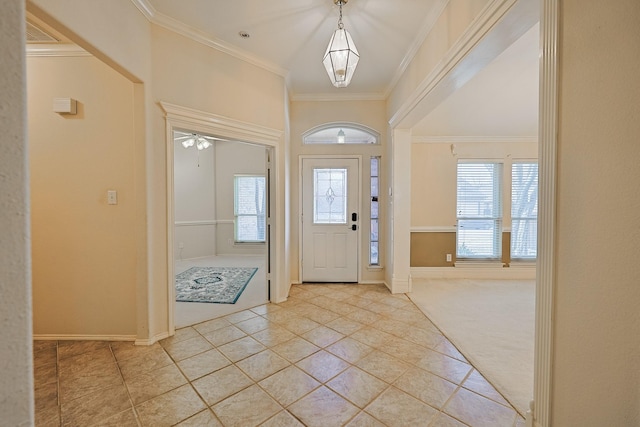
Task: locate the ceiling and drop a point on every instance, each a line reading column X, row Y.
column 291, row 36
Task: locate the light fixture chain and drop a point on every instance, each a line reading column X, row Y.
column 340, row 24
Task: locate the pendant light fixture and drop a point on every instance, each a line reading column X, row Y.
column 341, row 58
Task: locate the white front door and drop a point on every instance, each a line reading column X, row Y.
column 330, row 220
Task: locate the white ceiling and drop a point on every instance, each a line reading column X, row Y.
column 291, row 36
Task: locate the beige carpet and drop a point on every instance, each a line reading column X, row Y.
column 492, row 324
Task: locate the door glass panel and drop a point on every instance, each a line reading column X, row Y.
column 329, row 196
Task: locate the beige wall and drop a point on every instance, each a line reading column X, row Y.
column 306, row 115
column 596, row 374
column 16, row 369
column 434, row 173
column 234, row 158
column 194, row 201
column 454, row 20
column 220, row 84
column 84, row 251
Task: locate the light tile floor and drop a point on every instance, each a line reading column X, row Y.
column 332, row 355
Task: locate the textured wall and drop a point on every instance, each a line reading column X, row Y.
column 596, row 379
column 16, row 368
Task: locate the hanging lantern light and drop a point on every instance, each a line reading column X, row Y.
column 341, row 58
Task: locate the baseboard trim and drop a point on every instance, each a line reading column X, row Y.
column 152, row 340
column 400, row 286
column 370, row 282
column 472, row 273
column 74, row 337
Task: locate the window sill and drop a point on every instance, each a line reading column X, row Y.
column 479, row 263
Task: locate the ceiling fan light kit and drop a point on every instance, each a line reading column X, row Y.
column 341, row 58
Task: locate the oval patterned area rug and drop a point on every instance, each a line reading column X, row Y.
column 222, row 285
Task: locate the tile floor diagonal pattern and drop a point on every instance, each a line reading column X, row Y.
column 331, row 355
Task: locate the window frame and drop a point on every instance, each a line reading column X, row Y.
column 236, row 215
column 496, row 217
column 374, row 220
column 310, row 137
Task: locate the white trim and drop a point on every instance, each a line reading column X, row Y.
column 369, row 282
column 55, row 50
column 471, row 263
column 329, row 97
column 472, row 139
column 401, row 285
column 428, row 24
column 343, row 125
column 472, row 273
column 199, row 36
column 219, row 125
column 518, row 263
column 187, row 118
column 491, row 14
column 154, row 339
column 145, row 7
column 547, row 175
column 434, row 229
column 226, row 221
column 195, row 223
column 80, row 337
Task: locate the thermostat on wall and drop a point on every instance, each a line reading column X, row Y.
column 64, row 105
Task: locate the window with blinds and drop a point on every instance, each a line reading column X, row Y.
column 249, row 208
column 479, row 210
column 524, row 210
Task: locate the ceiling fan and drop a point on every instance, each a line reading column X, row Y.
column 189, row 139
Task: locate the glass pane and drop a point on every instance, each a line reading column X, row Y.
column 524, row 238
column 478, row 193
column 374, row 209
column 374, row 166
column 373, row 259
column 249, row 206
column 524, row 190
column 329, row 196
column 479, row 239
column 374, row 187
column 374, row 230
column 247, row 228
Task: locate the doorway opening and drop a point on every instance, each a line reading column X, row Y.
column 220, row 228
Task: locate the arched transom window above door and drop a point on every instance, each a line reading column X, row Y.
column 341, row 133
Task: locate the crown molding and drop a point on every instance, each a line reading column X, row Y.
column 472, row 139
column 427, row 26
column 146, row 8
column 55, row 49
column 196, row 35
column 319, row 97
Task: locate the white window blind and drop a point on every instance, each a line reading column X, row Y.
column 524, row 210
column 249, row 208
column 479, row 211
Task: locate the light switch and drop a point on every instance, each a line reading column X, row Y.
column 112, row 197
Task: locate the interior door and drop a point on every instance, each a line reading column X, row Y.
column 330, row 220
